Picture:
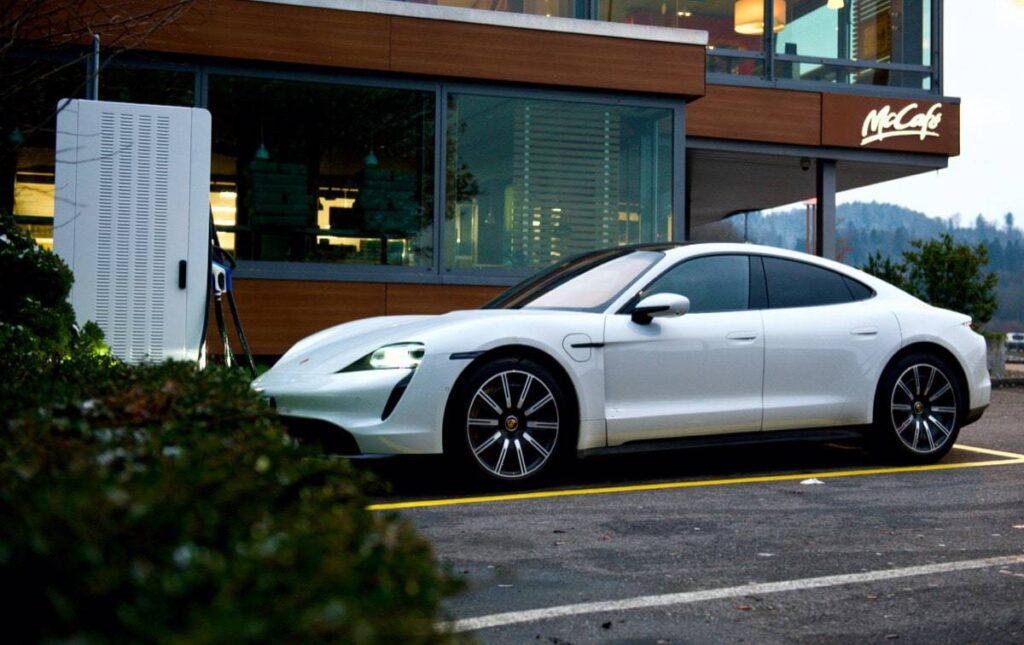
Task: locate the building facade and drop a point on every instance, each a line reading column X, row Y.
column 379, row 157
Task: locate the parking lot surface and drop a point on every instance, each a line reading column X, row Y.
column 783, row 543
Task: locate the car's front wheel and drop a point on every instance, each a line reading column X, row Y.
column 511, row 420
column 919, row 408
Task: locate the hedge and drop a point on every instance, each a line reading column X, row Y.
column 163, row 503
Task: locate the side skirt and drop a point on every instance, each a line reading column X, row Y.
column 812, row 435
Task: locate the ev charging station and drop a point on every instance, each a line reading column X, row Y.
column 132, row 221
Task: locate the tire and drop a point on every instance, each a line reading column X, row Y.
column 511, row 421
column 919, row 409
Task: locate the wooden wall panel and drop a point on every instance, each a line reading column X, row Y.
column 263, row 31
column 756, row 114
column 465, row 50
column 843, row 124
column 436, row 299
column 280, row 33
column 277, row 313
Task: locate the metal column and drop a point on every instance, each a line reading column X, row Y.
column 825, row 213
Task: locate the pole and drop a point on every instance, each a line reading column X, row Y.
column 92, row 87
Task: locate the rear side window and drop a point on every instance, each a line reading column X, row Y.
column 798, row 284
column 712, row 283
column 858, row 290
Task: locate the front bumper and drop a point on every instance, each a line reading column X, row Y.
column 358, row 402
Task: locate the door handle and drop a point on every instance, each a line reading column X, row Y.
column 864, row 331
column 741, row 335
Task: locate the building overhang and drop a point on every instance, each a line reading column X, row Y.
column 444, row 42
column 509, row 19
column 729, row 177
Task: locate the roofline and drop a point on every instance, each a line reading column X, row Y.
column 512, row 20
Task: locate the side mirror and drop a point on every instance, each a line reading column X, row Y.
column 660, row 305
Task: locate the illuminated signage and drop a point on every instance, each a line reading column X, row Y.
column 885, row 123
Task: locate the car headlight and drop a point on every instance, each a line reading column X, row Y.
column 390, row 357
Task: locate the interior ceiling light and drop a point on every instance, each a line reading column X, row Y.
column 749, row 16
column 836, row 4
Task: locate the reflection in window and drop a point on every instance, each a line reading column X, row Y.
column 712, row 283
column 717, row 17
column 558, row 8
column 322, row 173
column 532, row 181
column 886, row 31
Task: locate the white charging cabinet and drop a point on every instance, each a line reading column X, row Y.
column 132, row 221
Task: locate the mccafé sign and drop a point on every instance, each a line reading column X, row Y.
column 910, row 121
column 887, row 123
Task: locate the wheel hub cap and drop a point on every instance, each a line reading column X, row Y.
column 923, row 408
column 513, row 424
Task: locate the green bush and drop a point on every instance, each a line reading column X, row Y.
column 161, row 503
column 172, row 506
column 43, row 357
column 945, row 274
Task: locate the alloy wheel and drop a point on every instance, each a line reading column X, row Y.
column 923, row 408
column 512, row 424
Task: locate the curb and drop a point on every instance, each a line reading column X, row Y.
column 1004, row 383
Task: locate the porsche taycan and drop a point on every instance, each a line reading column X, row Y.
column 644, row 348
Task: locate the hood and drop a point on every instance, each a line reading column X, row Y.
column 333, row 349
column 337, row 347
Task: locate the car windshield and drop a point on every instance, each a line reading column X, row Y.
column 586, row 282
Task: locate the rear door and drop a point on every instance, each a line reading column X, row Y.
column 826, row 337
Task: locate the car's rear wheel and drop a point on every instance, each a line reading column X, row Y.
column 511, row 420
column 919, row 408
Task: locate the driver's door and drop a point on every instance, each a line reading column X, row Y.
column 700, row 373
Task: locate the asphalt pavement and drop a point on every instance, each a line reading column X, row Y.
column 784, row 543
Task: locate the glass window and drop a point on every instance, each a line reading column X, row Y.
column 28, row 126
column 712, row 283
column 153, row 86
column 596, row 288
column 798, row 284
column 858, row 290
column 730, row 24
column 886, row 31
column 306, row 171
column 532, row 181
column 558, row 8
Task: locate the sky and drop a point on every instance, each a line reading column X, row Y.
column 984, row 67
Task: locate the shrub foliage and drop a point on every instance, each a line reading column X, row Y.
column 162, row 503
column 943, row 273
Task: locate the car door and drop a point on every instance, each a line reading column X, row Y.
column 700, row 373
column 826, row 339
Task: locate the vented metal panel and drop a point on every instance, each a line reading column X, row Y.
column 132, row 198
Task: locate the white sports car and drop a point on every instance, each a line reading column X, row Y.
column 638, row 348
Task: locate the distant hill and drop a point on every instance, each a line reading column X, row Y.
column 868, row 227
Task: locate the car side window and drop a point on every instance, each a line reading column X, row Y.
column 712, row 283
column 858, row 290
column 792, row 283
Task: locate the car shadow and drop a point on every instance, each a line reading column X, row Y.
column 431, row 477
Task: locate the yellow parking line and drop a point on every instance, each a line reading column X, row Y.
column 1010, row 458
column 989, row 451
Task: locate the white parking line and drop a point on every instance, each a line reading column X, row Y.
column 754, row 589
